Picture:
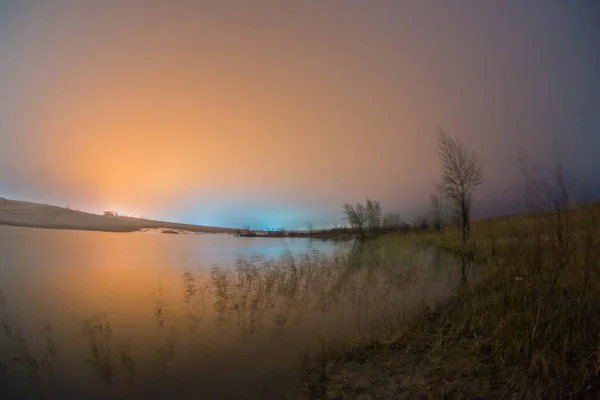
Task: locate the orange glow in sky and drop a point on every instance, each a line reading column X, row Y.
column 203, row 113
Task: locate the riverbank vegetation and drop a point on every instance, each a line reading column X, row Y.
column 525, row 325
column 335, row 233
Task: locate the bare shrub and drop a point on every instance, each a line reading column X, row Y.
column 461, row 174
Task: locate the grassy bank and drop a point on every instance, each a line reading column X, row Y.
column 528, row 327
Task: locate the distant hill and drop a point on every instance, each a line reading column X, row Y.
column 36, row 215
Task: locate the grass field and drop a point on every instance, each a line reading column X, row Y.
column 527, row 327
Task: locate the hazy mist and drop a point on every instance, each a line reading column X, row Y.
column 275, row 113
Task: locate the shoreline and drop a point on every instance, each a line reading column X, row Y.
column 520, row 330
column 42, row 216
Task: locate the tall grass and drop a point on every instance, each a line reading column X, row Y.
column 529, row 327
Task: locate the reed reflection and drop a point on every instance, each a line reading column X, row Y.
column 260, row 312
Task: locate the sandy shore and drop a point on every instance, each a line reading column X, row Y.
column 35, row 215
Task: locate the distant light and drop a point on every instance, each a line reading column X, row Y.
column 109, row 211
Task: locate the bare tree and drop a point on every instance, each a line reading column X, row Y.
column 391, row 220
column 547, row 189
column 357, row 217
column 373, row 210
column 421, row 222
column 436, row 208
column 461, row 174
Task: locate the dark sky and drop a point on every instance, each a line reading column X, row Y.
column 274, row 113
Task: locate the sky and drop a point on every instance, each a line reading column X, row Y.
column 275, row 113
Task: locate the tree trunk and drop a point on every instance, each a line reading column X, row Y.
column 465, row 220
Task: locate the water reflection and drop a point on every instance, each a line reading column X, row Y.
column 234, row 331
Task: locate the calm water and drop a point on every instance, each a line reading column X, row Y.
column 141, row 315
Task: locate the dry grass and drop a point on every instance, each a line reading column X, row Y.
column 528, row 327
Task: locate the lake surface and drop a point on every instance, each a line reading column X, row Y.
column 139, row 315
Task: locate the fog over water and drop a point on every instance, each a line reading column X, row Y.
column 100, row 315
